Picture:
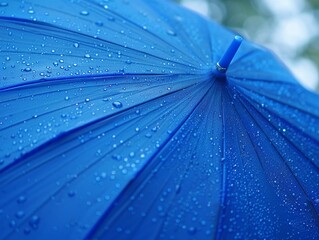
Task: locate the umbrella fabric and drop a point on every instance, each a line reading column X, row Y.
column 114, row 125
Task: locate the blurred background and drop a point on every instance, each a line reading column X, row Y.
column 290, row 28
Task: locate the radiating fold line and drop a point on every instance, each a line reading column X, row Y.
column 282, row 101
column 293, row 144
column 280, row 154
column 97, row 227
column 95, row 121
column 57, row 29
column 139, row 27
column 79, row 173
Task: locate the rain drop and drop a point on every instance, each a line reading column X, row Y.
column 117, row 104
column 84, row 13
column 27, row 69
column 87, row 55
column 112, row 19
column 171, row 32
column 148, row 135
column 19, row 214
column 99, row 23
column 12, row 224
column 27, row 231
column 192, row 230
column 3, row 4
column 71, row 194
column 21, row 199
column 34, row 222
column 76, row 45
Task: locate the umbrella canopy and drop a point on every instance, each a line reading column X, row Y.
column 115, row 124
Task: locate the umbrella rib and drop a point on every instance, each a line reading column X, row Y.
column 86, row 87
column 150, row 33
column 62, row 135
column 93, row 138
column 172, row 200
column 61, row 109
column 222, row 208
column 145, row 180
column 69, row 181
column 313, row 114
column 120, row 16
column 138, row 62
column 272, row 124
column 285, row 137
column 43, row 24
column 74, row 88
column 100, row 222
column 268, row 96
column 72, row 104
column 312, row 207
column 95, row 77
column 140, row 188
column 259, row 79
column 160, row 227
column 143, row 185
column 60, row 189
column 184, row 36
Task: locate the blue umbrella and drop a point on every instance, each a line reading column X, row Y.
column 134, row 120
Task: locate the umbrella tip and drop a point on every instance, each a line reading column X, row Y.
column 229, row 54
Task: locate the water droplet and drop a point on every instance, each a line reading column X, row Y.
column 27, row 69
column 99, row 23
column 76, row 45
column 34, row 222
column 84, row 13
column 12, row 223
column 27, row 231
column 19, row 214
column 117, row 104
column 87, row 55
column 112, row 19
column 21, row 199
column 31, row 11
column 171, row 32
column 192, row 230
column 178, row 189
column 71, row 194
column 148, row 135
column 87, row 100
column 3, row 4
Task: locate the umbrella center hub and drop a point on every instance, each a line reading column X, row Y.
column 223, row 64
